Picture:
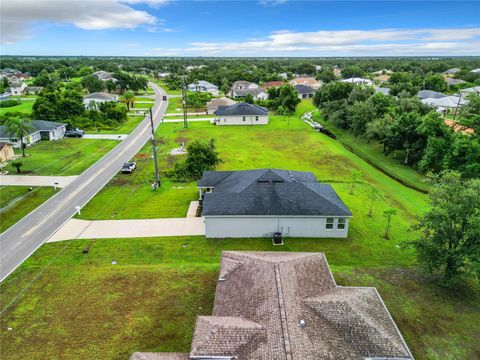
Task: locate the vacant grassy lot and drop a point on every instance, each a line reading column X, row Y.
column 18, row 201
column 63, row 157
column 126, row 128
column 82, row 306
column 24, row 107
column 167, row 90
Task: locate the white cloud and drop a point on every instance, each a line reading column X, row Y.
column 271, row 2
column 353, row 42
column 151, row 3
column 131, row 44
column 19, row 15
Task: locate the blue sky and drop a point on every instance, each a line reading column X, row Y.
column 239, row 28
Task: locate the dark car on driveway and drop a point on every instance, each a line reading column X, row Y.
column 73, row 133
column 164, row 98
column 128, row 167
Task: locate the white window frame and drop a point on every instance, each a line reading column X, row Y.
column 329, row 223
column 341, row 223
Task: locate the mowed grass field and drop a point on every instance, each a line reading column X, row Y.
column 69, row 156
column 82, row 306
column 24, row 107
column 18, row 201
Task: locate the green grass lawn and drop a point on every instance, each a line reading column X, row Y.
column 82, row 306
column 167, row 90
column 18, row 201
column 24, row 107
column 126, row 128
column 63, row 157
column 372, row 151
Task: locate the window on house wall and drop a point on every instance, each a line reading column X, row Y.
column 243, row 118
column 256, row 118
column 329, row 224
column 341, row 224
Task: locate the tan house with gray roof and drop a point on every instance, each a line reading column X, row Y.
column 287, row 306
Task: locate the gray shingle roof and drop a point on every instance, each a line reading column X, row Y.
column 269, row 192
column 430, row 94
column 34, row 126
column 245, row 92
column 100, row 95
column 241, row 109
column 303, row 89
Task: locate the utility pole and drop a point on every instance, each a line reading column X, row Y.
column 154, row 144
column 184, row 103
column 456, row 108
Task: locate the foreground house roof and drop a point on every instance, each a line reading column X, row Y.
column 100, row 96
column 269, row 192
column 304, row 89
column 430, row 94
column 241, row 109
column 287, row 306
column 34, row 126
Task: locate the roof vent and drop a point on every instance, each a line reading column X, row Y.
column 301, row 323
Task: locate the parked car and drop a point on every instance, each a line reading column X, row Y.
column 80, row 131
column 164, row 98
column 128, row 167
column 73, row 133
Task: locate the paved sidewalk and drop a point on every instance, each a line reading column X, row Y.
column 105, row 136
column 32, row 180
column 108, row 229
column 192, row 209
column 188, row 114
column 188, row 119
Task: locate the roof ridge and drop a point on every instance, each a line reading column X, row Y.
column 323, row 197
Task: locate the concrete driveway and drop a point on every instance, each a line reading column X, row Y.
column 31, row 180
column 108, row 229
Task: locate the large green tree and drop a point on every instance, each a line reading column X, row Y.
column 19, row 127
column 450, row 231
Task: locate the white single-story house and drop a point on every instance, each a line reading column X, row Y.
column 18, row 88
column 38, row 130
column 244, row 85
column 471, row 90
column 104, row 75
column 430, row 94
column 475, row 71
column 33, row 90
column 358, row 81
column 445, row 104
column 203, row 86
column 451, row 81
column 256, row 93
column 306, row 81
column 98, row 97
column 215, row 103
column 259, row 203
column 304, row 92
column 241, row 114
column 452, row 71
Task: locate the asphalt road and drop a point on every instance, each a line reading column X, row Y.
column 22, row 239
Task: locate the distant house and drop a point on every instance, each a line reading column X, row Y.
column 32, row 90
column 6, row 151
column 214, row 104
column 104, row 75
column 38, row 130
column 451, row 81
column 382, row 78
column 304, row 92
column 259, row 203
column 98, row 97
column 306, row 81
column 241, row 114
column 244, row 85
column 430, row 94
column 452, row 71
column 284, row 75
column 476, row 71
column 445, row 104
column 287, row 305
column 383, row 72
column 383, row 90
column 203, row 86
column 358, row 81
column 471, row 90
column 257, row 93
column 272, row 84
column 17, row 88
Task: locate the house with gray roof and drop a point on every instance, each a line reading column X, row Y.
column 259, row 203
column 452, row 71
column 203, row 86
column 95, row 98
column 37, row 130
column 241, row 114
column 287, row 306
column 304, row 91
column 104, row 75
column 430, row 94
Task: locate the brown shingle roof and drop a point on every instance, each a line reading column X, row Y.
column 287, row 306
column 158, row 356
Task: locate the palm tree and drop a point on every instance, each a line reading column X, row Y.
column 18, row 126
column 127, row 98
